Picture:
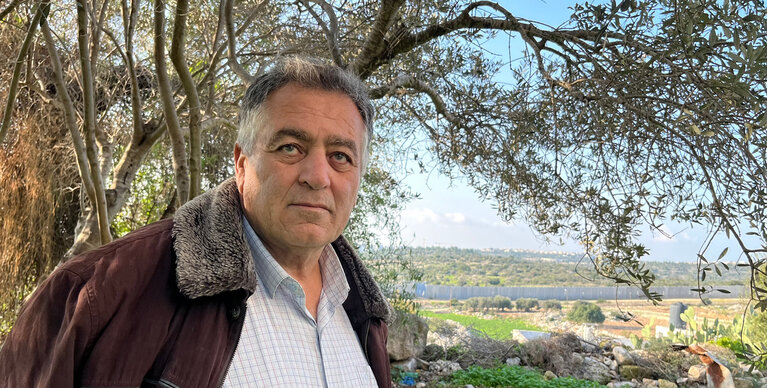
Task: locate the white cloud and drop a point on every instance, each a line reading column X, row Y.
column 456, row 218
column 420, row 215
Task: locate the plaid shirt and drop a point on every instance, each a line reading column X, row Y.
column 281, row 343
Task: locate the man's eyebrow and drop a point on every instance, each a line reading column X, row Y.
column 343, row 142
column 287, row 132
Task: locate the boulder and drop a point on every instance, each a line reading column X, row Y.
column 576, row 359
column 514, row 361
column 408, row 365
column 622, row 356
column 407, row 337
column 666, row 384
column 549, row 375
column 630, row 372
column 622, row 384
column 523, row 336
column 594, row 370
column 649, row 383
column 443, row 367
column 697, row 374
column 743, row 383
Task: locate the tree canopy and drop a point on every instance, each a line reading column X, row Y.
column 631, row 113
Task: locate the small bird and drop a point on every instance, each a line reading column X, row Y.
column 718, row 376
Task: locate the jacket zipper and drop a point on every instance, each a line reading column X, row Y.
column 243, row 306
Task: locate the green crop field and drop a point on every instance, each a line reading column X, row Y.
column 496, row 328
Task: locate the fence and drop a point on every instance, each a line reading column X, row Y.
column 427, row 291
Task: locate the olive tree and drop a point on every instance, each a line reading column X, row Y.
column 629, row 114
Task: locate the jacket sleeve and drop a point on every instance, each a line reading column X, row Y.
column 379, row 356
column 50, row 338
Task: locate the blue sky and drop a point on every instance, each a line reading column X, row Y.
column 451, row 214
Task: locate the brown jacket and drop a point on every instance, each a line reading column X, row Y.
column 163, row 306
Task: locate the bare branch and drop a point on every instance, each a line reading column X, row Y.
column 246, row 77
column 89, row 122
column 374, row 42
column 179, row 62
column 410, row 82
column 180, row 168
column 14, row 87
column 9, row 8
column 69, row 115
column 331, row 33
column 464, row 20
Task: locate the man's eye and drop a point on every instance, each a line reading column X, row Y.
column 288, row 148
column 341, row 157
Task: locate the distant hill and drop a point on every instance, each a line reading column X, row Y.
column 514, row 268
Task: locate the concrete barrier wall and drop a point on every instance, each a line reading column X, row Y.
column 428, row 291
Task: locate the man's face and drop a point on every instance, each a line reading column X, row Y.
column 300, row 183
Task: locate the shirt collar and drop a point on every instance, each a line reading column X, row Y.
column 271, row 273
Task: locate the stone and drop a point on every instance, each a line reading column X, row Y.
column 420, row 385
column 443, row 367
column 630, row 372
column 405, row 365
column 587, row 332
column 743, row 383
column 666, row 384
column 649, row 383
column 622, row 384
column 682, row 381
column 622, row 356
column 514, row 361
column 549, row 375
column 594, row 370
column 523, row 336
column 697, row 374
column 576, row 359
column 407, row 337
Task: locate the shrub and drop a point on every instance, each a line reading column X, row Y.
column 527, row 304
column 585, row 312
column 515, row 376
column 502, row 302
column 433, row 352
column 552, row 305
column 756, row 325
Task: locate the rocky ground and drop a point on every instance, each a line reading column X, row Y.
column 594, row 352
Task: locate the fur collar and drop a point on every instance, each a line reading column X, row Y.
column 213, row 256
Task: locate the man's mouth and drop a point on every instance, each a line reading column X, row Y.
column 311, row 206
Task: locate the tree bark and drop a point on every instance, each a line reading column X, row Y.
column 179, row 62
column 180, row 167
column 89, row 123
column 14, row 87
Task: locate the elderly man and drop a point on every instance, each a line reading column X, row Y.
column 249, row 285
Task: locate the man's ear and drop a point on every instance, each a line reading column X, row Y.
column 240, row 161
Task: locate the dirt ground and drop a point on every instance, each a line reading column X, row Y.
column 642, row 312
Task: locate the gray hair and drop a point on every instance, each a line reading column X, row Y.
column 308, row 73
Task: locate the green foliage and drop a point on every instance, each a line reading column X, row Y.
column 526, row 304
column 585, row 312
column 502, row 302
column 552, row 304
column 473, row 267
column 484, row 303
column 756, row 324
column 496, row 328
column 515, row 376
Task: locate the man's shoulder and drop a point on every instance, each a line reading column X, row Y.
column 143, row 250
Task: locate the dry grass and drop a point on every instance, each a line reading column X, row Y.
column 38, row 205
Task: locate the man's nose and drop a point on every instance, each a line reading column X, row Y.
column 315, row 171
